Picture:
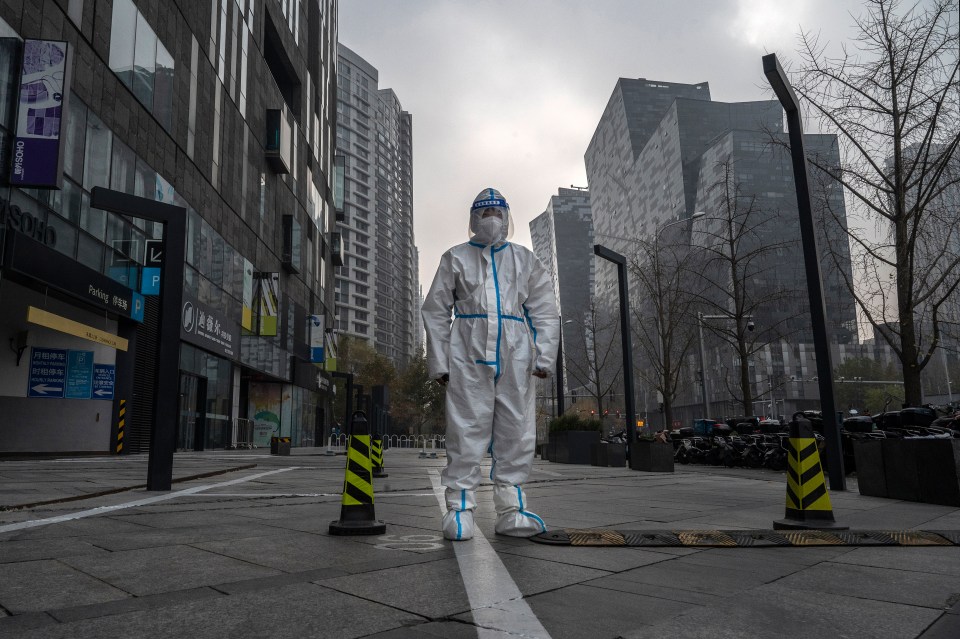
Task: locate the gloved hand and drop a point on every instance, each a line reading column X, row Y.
column 542, row 374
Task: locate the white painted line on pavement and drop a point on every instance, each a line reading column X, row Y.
column 377, row 495
column 547, row 472
column 33, row 523
column 496, row 603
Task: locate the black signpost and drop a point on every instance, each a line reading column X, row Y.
column 163, row 430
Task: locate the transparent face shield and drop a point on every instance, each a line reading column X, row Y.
column 476, row 228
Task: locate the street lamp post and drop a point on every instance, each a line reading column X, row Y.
column 625, row 341
column 808, row 238
column 560, row 373
column 703, row 368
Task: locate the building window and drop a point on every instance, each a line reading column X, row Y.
column 141, row 61
column 359, row 328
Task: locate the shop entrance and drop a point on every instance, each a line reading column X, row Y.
column 191, row 425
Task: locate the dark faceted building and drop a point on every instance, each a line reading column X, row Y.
column 658, row 155
column 222, row 107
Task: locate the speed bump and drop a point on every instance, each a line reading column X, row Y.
column 746, row 538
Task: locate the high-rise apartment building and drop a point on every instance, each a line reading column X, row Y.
column 222, row 107
column 562, row 239
column 376, row 288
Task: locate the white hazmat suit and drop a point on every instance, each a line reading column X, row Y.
column 492, row 323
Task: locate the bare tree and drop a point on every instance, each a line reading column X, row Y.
column 738, row 246
column 664, row 326
column 893, row 99
column 594, row 360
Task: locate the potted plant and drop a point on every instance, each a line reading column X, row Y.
column 572, row 437
column 652, row 453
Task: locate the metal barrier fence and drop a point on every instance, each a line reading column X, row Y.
column 242, row 434
column 438, row 442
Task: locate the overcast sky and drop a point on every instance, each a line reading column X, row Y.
column 508, row 93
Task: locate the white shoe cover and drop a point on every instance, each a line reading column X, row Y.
column 512, row 519
column 458, row 525
column 457, row 522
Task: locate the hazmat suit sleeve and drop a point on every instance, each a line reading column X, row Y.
column 436, row 312
column 540, row 308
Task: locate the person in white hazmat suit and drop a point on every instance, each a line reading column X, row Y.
column 492, row 325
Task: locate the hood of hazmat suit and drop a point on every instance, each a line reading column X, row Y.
column 488, row 206
column 491, row 320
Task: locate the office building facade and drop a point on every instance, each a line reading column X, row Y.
column 657, row 156
column 376, row 288
column 224, row 108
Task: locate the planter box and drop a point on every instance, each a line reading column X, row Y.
column 870, row 476
column 924, row 470
column 549, row 451
column 573, row 446
column 602, row 454
column 651, row 457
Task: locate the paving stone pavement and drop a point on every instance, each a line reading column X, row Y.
column 253, row 557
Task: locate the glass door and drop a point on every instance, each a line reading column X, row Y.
column 191, row 424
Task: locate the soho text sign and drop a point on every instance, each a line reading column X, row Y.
column 16, row 219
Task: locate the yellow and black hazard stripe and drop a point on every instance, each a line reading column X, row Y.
column 376, row 457
column 376, row 453
column 358, row 482
column 121, row 423
column 806, row 490
column 746, row 538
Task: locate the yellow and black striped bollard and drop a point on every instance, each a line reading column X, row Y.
column 376, row 457
column 357, row 514
column 808, row 502
column 121, row 422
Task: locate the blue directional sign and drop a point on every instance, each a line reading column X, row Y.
column 104, row 380
column 79, row 375
column 48, row 372
column 137, row 303
column 150, row 280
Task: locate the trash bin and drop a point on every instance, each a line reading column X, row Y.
column 279, row 445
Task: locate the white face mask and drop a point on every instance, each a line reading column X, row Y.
column 488, row 230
